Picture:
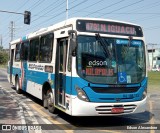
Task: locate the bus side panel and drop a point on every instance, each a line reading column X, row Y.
column 16, row 71
column 36, row 77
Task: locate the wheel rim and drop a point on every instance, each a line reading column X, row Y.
column 50, row 103
column 17, row 85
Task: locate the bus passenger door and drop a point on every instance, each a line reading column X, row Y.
column 24, row 57
column 11, row 64
column 60, row 77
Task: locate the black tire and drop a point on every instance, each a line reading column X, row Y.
column 18, row 90
column 50, row 101
column 44, row 101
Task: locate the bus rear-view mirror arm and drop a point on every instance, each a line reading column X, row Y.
column 73, row 41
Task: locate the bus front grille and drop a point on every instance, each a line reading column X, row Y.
column 104, row 110
column 115, row 89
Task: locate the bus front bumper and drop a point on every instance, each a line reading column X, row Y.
column 81, row 108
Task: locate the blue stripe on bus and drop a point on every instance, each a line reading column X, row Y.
column 41, row 77
column 16, row 71
column 106, row 97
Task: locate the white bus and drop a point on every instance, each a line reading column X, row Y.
column 83, row 66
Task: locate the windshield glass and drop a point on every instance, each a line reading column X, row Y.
column 110, row 60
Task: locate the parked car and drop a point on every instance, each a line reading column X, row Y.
column 155, row 69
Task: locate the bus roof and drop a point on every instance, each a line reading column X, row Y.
column 63, row 23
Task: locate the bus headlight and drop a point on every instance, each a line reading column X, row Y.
column 82, row 95
column 144, row 94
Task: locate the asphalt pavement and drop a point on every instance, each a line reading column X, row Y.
column 10, row 110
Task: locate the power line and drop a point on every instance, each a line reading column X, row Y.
column 53, row 8
column 153, row 28
column 145, row 18
column 18, row 9
column 124, row 7
column 87, row 6
column 105, row 7
column 60, row 13
column 49, row 19
column 48, row 11
column 121, row 13
column 22, row 5
column 78, row 4
column 46, row 8
column 36, row 4
column 141, row 8
column 57, row 14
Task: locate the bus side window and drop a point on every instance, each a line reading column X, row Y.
column 46, row 45
column 17, row 54
column 24, row 49
column 33, row 49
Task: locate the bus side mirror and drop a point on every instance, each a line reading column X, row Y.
column 73, row 41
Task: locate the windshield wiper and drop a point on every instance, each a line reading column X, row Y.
column 104, row 46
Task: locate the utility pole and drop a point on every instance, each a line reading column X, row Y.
column 66, row 9
column 12, row 29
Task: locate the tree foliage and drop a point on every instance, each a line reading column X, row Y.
column 3, row 56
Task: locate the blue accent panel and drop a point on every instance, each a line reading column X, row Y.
column 102, row 97
column 108, row 97
column 122, row 77
column 144, row 82
column 121, row 41
column 24, row 38
column 133, row 85
column 100, row 85
column 17, row 71
column 78, row 82
column 68, row 85
column 40, row 77
column 34, row 76
column 136, row 43
column 24, row 73
column 126, row 42
column 37, row 77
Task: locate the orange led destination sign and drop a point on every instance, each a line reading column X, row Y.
column 99, row 72
column 110, row 28
column 107, row 27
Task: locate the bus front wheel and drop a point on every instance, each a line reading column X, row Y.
column 50, row 101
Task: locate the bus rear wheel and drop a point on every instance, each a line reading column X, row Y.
column 18, row 90
column 50, row 101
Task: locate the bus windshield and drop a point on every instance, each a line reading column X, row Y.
column 110, row 60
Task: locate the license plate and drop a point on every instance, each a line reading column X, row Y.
column 117, row 110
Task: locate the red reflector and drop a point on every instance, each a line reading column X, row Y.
column 117, row 110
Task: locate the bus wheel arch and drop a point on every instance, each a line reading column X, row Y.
column 47, row 97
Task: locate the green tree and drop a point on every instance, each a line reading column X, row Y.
column 3, row 57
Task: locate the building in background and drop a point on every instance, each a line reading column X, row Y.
column 154, row 58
